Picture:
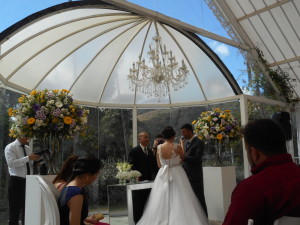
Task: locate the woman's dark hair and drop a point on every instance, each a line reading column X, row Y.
column 86, row 164
column 168, row 132
column 66, row 170
column 266, row 135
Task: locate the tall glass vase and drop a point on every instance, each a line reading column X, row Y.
column 53, row 143
column 219, row 147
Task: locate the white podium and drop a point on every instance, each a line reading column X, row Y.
column 41, row 201
column 120, row 201
column 219, row 183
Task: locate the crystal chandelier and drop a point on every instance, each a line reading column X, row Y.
column 162, row 72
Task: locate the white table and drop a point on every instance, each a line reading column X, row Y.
column 124, row 202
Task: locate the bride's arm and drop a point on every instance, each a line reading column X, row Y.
column 179, row 151
column 157, row 157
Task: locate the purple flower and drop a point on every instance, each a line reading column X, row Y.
column 40, row 115
column 80, row 113
column 228, row 128
column 217, row 114
column 36, row 107
column 212, row 128
column 56, row 112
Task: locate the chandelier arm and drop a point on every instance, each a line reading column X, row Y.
column 185, row 56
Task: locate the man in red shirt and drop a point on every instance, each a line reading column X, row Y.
column 273, row 190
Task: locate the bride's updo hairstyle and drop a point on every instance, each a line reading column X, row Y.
column 86, row 164
column 168, row 132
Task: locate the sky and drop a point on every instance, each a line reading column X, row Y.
column 194, row 12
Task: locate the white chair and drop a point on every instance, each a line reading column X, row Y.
column 287, row 220
column 49, row 200
column 41, row 201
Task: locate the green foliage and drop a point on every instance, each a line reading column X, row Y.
column 280, row 78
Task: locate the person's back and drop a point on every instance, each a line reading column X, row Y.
column 169, row 156
column 273, row 189
column 172, row 200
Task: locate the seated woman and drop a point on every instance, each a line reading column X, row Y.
column 71, row 208
column 62, row 178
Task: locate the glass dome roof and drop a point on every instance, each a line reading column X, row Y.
column 89, row 47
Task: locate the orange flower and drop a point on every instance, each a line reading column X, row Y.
column 31, row 120
column 54, row 120
column 219, row 136
column 227, row 110
column 68, row 120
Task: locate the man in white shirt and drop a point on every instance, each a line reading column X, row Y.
column 19, row 159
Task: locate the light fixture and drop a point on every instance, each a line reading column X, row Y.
column 162, row 72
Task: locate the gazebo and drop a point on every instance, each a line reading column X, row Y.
column 88, row 47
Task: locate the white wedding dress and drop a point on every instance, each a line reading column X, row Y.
column 172, row 200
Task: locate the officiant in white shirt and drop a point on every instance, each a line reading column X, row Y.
column 19, row 158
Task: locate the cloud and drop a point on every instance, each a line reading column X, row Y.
column 220, row 49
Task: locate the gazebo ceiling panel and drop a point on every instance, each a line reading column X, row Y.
column 272, row 26
column 88, row 48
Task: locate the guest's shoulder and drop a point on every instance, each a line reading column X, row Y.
column 136, row 148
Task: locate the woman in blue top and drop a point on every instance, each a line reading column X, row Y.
column 71, row 208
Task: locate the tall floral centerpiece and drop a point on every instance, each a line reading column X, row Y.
column 49, row 115
column 219, row 126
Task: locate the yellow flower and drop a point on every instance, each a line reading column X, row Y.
column 228, row 111
column 219, row 136
column 68, row 120
column 21, row 99
column 65, row 90
column 54, row 120
column 31, row 120
column 222, row 116
column 217, row 110
column 33, row 92
column 194, row 122
column 55, row 91
column 10, row 112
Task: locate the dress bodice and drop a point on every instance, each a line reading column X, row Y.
column 173, row 161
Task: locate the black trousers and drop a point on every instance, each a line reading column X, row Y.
column 16, row 199
column 199, row 192
column 139, row 199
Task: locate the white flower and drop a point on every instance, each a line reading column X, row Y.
column 58, row 104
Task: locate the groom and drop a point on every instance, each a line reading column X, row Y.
column 192, row 163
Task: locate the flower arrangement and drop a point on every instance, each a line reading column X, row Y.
column 217, row 124
column 48, row 112
column 123, row 166
column 125, row 172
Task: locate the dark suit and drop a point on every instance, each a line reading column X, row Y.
column 147, row 166
column 192, row 165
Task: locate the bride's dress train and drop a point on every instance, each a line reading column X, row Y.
column 172, row 200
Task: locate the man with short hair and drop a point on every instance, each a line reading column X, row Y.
column 192, row 163
column 273, row 190
column 143, row 160
column 19, row 159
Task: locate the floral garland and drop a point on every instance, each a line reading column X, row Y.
column 217, row 124
column 48, row 112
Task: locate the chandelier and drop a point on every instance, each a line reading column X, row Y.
column 162, row 72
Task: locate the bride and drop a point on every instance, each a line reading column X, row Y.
column 172, row 200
